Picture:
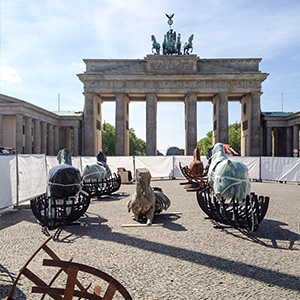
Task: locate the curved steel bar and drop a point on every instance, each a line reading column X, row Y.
column 240, row 213
column 54, row 213
column 98, row 188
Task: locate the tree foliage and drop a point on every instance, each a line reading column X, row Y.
column 234, row 139
column 136, row 146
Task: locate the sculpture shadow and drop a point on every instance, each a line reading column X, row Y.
column 113, row 197
column 268, row 230
column 274, row 231
column 241, row 269
column 168, row 220
column 7, row 279
column 12, row 216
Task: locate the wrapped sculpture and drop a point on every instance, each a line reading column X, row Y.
column 228, row 177
column 98, row 179
column 64, row 201
column 223, row 191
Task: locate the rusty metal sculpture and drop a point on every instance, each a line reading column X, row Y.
column 231, row 203
column 146, row 201
column 72, row 287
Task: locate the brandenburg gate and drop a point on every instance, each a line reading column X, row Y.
column 180, row 77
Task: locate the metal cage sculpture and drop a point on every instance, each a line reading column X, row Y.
column 65, row 284
column 53, row 213
column 106, row 186
column 243, row 213
column 239, row 213
column 64, row 200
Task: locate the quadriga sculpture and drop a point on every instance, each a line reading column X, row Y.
column 146, row 201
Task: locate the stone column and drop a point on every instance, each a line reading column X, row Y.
column 56, row 139
column 269, row 141
column 296, row 136
column 19, row 134
column 220, row 118
column 44, row 138
column 1, row 131
column 50, row 140
column 28, row 135
column 190, row 123
column 37, row 136
column 89, row 126
column 151, row 124
column 122, row 125
column 75, row 141
column 255, row 140
column 289, row 141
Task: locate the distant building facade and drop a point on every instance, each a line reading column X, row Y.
column 184, row 78
column 187, row 79
column 33, row 130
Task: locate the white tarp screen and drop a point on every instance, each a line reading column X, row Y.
column 115, row 162
column 280, row 168
column 87, row 160
column 159, row 166
column 252, row 163
column 33, row 170
column 32, row 175
column 8, row 181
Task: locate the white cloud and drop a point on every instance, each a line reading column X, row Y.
column 8, row 74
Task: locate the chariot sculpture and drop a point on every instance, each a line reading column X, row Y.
column 146, row 201
column 98, row 180
column 172, row 42
column 223, row 192
column 64, row 201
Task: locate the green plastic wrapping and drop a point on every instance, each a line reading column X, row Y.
column 228, row 178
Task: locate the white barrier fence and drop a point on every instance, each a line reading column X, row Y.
column 25, row 176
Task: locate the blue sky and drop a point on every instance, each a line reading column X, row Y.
column 43, row 44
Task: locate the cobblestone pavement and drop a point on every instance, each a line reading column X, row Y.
column 184, row 257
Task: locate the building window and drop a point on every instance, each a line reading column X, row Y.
column 245, row 125
column 98, row 125
column 215, row 125
column 244, row 108
column 98, row 108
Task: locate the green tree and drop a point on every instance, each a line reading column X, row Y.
column 108, row 139
column 136, row 146
column 205, row 143
column 234, row 139
column 234, row 136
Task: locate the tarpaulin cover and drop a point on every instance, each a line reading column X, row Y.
column 63, row 181
column 280, row 168
column 32, row 175
column 159, row 166
column 229, row 178
column 8, row 180
column 115, row 162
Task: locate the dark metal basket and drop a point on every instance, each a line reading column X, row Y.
column 98, row 188
column 54, row 213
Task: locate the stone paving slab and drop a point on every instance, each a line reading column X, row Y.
column 184, row 258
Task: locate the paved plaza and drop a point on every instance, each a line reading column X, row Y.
column 182, row 257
